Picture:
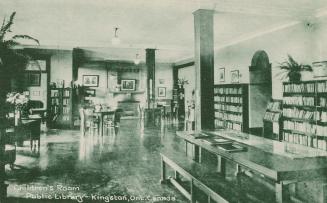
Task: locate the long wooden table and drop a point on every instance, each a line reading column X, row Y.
column 278, row 161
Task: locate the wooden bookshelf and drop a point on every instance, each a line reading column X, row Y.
column 305, row 113
column 272, row 122
column 60, row 114
column 231, row 107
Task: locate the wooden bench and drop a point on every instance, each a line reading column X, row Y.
column 199, row 178
column 206, row 184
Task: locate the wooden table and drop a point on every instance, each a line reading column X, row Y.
column 281, row 162
column 30, row 128
column 101, row 114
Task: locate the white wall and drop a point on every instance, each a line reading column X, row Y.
column 61, row 64
column 164, row 74
column 295, row 41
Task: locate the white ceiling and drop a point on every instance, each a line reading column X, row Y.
column 163, row 24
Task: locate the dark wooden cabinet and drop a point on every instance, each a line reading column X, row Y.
column 60, row 111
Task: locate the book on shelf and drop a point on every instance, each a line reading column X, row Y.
column 272, row 116
column 299, row 101
column 299, row 88
column 228, row 90
column 227, row 107
column 322, row 86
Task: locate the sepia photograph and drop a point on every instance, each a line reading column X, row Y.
column 159, row 101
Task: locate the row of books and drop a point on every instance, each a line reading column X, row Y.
column 54, row 101
column 304, row 114
column 65, row 101
column 55, row 109
column 322, row 101
column 234, row 126
column 322, row 86
column 314, row 142
column 299, row 101
column 54, row 93
column 272, row 116
column 299, row 88
column 228, row 125
column 66, row 93
column 228, row 116
column 219, row 123
column 226, row 107
column 300, row 113
column 65, row 110
column 305, row 127
column 274, row 106
column 65, row 118
column 228, row 90
column 228, row 99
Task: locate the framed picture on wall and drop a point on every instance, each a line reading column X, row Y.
column 91, row 80
column 161, row 92
column 319, row 69
column 221, row 74
column 127, row 84
column 234, row 76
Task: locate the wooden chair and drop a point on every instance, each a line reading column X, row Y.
column 88, row 121
column 109, row 122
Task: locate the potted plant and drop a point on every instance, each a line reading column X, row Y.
column 12, row 60
column 181, row 82
column 292, row 69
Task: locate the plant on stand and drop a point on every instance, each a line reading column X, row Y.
column 292, row 69
column 20, row 105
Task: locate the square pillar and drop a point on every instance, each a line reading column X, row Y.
column 150, row 61
column 204, row 69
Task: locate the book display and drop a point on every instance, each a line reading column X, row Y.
column 231, row 107
column 305, row 113
column 272, row 123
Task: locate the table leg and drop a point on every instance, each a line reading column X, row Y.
column 101, row 124
column 281, row 192
column 193, row 200
column 221, row 165
column 163, row 171
column 197, row 153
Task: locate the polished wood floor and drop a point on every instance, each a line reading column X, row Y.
column 70, row 167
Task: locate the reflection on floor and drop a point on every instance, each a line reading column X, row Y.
column 70, row 166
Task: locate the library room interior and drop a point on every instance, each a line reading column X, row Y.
column 195, row 101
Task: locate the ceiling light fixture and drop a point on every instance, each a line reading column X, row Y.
column 115, row 40
column 137, row 60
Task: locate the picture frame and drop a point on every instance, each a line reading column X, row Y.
column 161, row 92
column 89, row 92
column 90, row 80
column 319, row 69
column 221, row 74
column 127, row 85
column 235, row 76
column 33, row 79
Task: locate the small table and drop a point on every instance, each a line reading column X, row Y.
column 101, row 114
column 33, row 127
